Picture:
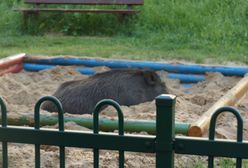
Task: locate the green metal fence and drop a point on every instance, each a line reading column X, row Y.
column 164, row 144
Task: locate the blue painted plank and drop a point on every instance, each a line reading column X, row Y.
column 184, row 78
column 39, row 67
column 178, row 68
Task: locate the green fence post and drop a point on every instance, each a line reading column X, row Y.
column 4, row 125
column 165, row 128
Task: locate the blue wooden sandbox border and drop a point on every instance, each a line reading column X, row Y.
column 186, row 73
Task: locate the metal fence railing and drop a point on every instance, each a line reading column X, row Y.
column 164, row 144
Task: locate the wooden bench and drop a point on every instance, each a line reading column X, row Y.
column 43, row 6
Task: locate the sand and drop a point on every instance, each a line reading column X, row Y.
column 21, row 91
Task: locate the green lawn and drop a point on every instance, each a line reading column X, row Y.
column 214, row 31
column 123, row 47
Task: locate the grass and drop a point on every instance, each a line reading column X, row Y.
column 118, row 47
column 199, row 31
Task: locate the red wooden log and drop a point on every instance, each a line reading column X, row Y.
column 7, row 62
column 12, row 69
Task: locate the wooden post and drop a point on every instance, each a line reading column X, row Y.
column 11, row 60
column 231, row 98
column 11, row 64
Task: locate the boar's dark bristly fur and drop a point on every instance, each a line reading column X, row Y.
column 126, row 86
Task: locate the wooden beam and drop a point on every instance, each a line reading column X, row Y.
column 11, row 60
column 231, row 98
column 111, row 11
column 89, row 2
column 12, row 69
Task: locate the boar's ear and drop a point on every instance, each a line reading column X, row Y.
column 151, row 77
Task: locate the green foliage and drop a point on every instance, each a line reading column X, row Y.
column 227, row 163
column 215, row 20
column 9, row 20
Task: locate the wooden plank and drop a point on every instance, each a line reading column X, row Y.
column 112, row 11
column 90, row 2
column 12, row 69
column 231, row 98
column 11, row 60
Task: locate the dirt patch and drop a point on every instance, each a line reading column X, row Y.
column 21, row 91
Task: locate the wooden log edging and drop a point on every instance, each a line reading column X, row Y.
column 107, row 125
column 40, row 67
column 12, row 69
column 184, row 78
column 177, row 68
column 11, row 64
column 231, row 98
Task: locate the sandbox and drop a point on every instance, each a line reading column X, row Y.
column 22, row 90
